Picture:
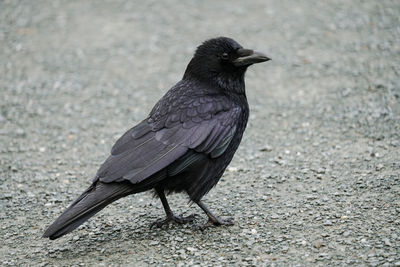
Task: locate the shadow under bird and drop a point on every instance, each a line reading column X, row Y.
column 185, row 144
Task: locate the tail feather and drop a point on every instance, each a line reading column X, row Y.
column 94, row 199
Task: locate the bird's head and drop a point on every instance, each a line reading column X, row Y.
column 222, row 60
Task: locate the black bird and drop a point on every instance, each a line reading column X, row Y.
column 185, row 144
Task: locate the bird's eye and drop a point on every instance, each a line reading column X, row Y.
column 225, row 56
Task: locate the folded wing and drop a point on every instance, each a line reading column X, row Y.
column 199, row 127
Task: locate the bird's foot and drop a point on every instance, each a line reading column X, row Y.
column 173, row 218
column 217, row 221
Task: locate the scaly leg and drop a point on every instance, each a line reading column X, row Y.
column 171, row 217
column 213, row 220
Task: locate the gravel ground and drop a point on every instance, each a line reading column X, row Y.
column 315, row 181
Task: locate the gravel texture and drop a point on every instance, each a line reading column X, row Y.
column 315, row 181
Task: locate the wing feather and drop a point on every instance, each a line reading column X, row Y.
column 188, row 132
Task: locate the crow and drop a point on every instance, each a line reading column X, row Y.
column 185, row 143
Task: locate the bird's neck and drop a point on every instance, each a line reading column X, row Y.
column 232, row 82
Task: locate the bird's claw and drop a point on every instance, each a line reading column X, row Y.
column 217, row 221
column 175, row 219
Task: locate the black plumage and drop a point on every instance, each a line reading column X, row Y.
column 185, row 144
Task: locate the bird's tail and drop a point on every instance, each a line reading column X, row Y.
column 94, row 199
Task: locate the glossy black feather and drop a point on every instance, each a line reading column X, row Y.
column 185, row 144
column 162, row 139
column 94, row 199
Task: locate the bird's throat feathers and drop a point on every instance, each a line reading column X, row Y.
column 232, row 82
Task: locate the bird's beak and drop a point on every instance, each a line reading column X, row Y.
column 248, row 57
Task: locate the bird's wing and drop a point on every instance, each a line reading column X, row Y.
column 195, row 127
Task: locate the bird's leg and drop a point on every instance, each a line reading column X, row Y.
column 171, row 217
column 213, row 220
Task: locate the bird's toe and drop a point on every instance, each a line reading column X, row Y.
column 159, row 223
column 184, row 219
column 175, row 219
column 217, row 221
